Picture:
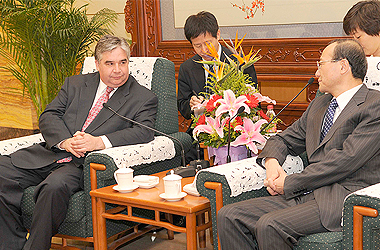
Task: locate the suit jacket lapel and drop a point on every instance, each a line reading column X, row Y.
column 351, row 106
column 87, row 95
column 116, row 101
column 316, row 126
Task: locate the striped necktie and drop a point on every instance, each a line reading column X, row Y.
column 328, row 121
column 209, row 78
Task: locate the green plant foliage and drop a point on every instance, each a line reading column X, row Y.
column 44, row 41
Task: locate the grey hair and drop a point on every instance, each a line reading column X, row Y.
column 109, row 43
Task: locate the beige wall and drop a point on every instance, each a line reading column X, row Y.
column 16, row 111
column 116, row 5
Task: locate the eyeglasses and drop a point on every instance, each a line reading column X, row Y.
column 320, row 63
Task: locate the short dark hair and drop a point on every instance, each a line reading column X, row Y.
column 201, row 23
column 353, row 52
column 109, row 42
column 364, row 15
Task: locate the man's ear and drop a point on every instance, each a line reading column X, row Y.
column 97, row 65
column 344, row 66
column 218, row 34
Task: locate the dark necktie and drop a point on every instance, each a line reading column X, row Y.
column 328, row 122
column 209, row 78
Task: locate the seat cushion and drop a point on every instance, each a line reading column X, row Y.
column 325, row 241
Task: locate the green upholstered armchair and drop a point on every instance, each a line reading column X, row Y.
column 361, row 225
column 160, row 74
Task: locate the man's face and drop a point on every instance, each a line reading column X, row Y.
column 199, row 44
column 113, row 67
column 370, row 44
column 328, row 71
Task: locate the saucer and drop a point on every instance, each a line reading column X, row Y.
column 181, row 195
column 146, row 181
column 134, row 186
column 147, row 184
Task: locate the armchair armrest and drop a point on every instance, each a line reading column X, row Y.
column 361, row 224
column 12, row 145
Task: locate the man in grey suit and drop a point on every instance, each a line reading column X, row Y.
column 340, row 131
column 72, row 125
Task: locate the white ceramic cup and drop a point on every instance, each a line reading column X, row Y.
column 124, row 178
column 172, row 185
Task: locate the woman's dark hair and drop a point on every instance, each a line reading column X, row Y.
column 364, row 15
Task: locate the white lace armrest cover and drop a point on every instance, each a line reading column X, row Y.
column 161, row 148
column 246, row 175
column 12, row 145
column 141, row 68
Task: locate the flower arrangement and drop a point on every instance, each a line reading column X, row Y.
column 232, row 89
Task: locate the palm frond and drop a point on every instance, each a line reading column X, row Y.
column 44, row 40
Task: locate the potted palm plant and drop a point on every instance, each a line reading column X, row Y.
column 44, row 41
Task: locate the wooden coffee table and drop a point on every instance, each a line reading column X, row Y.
column 191, row 207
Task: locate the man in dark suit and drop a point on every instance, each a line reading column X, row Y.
column 200, row 29
column 340, row 133
column 72, row 125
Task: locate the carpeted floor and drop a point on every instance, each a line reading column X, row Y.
column 145, row 242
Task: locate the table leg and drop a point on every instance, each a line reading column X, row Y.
column 191, row 231
column 169, row 217
column 201, row 234
column 101, row 235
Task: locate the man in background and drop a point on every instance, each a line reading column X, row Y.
column 340, row 133
column 73, row 124
column 200, row 29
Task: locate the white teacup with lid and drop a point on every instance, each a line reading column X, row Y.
column 172, row 185
column 124, row 178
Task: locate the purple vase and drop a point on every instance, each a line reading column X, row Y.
column 236, row 153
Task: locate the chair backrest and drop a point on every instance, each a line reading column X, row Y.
column 157, row 74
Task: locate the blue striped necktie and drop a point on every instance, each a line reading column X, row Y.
column 328, row 122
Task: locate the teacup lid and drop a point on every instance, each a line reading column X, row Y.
column 172, row 176
column 124, row 170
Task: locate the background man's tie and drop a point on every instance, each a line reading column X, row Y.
column 92, row 114
column 209, row 78
column 328, row 122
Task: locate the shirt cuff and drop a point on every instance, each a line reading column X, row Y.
column 106, row 141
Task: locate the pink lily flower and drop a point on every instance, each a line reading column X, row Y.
column 250, row 134
column 231, row 104
column 212, row 126
column 264, row 98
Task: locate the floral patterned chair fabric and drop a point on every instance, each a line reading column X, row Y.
column 78, row 222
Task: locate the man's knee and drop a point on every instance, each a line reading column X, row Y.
column 52, row 187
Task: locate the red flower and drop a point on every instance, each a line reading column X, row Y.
column 238, row 121
column 263, row 115
column 201, row 120
column 252, row 102
column 210, row 104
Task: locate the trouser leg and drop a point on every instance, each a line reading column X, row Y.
column 52, row 199
column 272, row 222
column 13, row 181
column 281, row 229
column 236, row 222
